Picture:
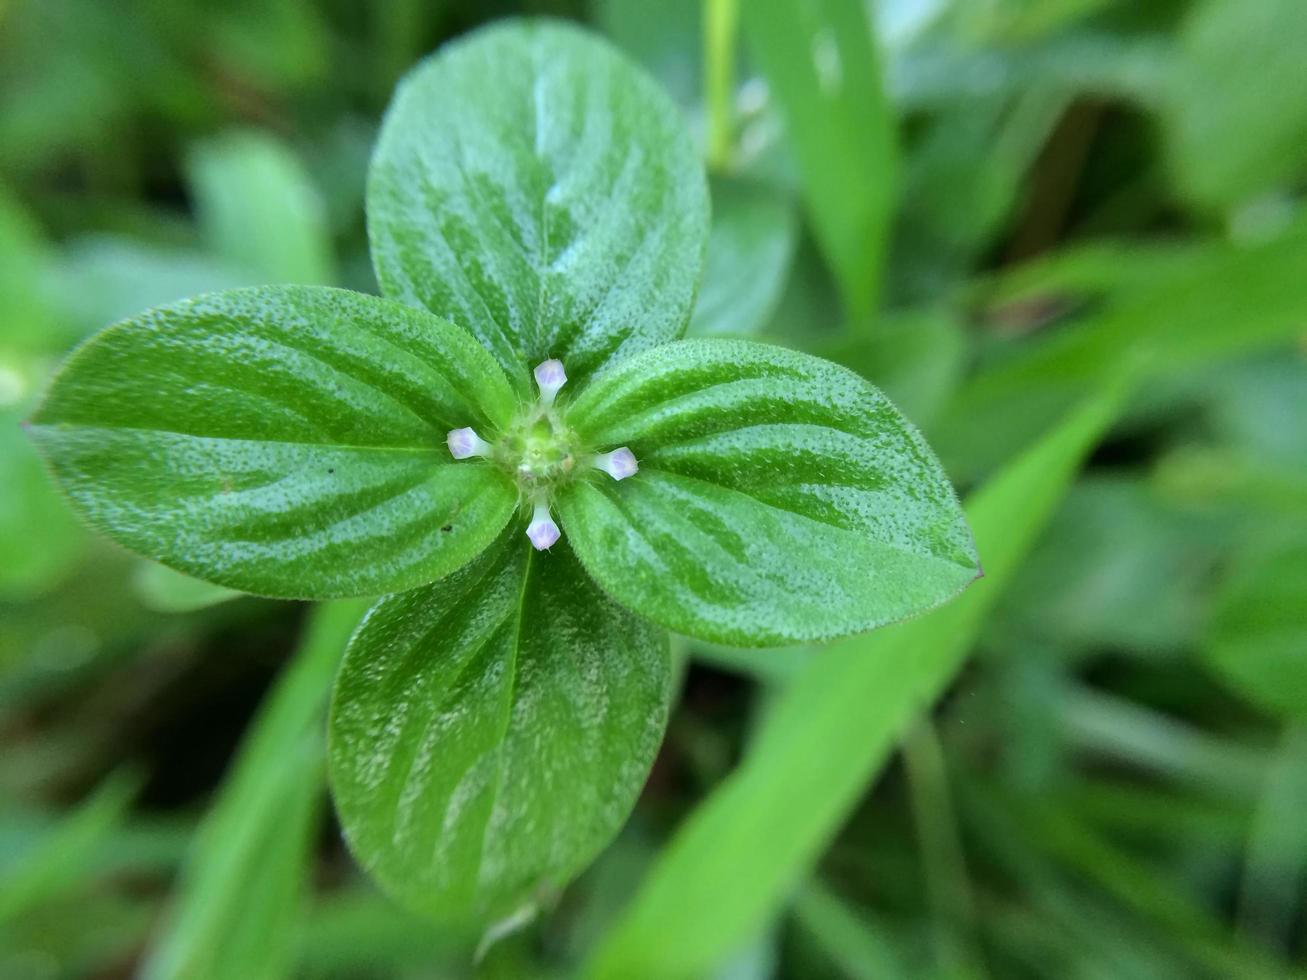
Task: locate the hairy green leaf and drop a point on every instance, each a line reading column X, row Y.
column 288, row 441
column 780, row 497
column 828, row 735
column 490, row 732
column 535, row 187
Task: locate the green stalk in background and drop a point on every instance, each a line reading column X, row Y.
column 720, row 26
column 240, row 894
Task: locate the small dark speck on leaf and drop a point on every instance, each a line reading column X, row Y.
column 331, row 469
column 447, row 527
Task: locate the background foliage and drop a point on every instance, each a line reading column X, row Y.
column 1067, row 237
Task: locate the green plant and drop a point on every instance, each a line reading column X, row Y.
column 538, row 217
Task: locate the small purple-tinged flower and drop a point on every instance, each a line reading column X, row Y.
column 542, row 530
column 465, row 442
column 619, row 464
column 550, row 376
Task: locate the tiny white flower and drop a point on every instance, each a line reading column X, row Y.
column 619, row 464
column 465, row 442
column 550, row 376
column 542, row 530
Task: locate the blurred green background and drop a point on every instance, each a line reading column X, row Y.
column 1002, row 211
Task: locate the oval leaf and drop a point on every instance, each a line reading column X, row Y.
column 535, row 187
column 490, row 732
column 780, row 498
column 288, row 441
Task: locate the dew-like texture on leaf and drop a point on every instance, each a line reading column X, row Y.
column 288, row 441
column 780, row 497
column 490, row 732
column 535, row 187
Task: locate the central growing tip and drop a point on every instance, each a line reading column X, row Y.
column 542, row 453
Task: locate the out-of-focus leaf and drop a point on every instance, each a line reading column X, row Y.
column 39, row 538
column 287, row 441
column 1134, row 884
column 539, row 190
column 258, row 210
column 1257, row 640
column 663, row 37
column 749, row 253
column 963, row 178
column 781, row 498
column 26, row 323
column 57, row 862
column 730, row 866
column 273, row 44
column 1237, row 103
column 916, row 357
column 1179, row 311
column 861, row 950
column 1273, row 879
column 360, row 931
column 48, row 639
column 490, row 732
column 164, row 590
column 101, row 279
column 240, row 897
column 1118, row 568
column 820, row 61
column 936, row 75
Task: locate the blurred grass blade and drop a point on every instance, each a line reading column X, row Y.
column 731, row 865
column 1146, row 893
column 1174, row 310
column 59, row 861
column 860, row 950
column 258, row 208
column 1272, row 889
column 820, row 61
column 239, row 897
column 944, row 866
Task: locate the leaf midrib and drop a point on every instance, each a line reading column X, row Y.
column 58, row 427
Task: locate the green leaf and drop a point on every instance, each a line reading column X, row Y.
column 57, row 864
column 535, row 187
column 827, row 736
column 1169, row 310
column 1237, row 100
column 820, row 61
column 749, row 254
column 490, row 732
column 162, row 589
column 258, row 209
column 780, row 497
column 1257, row 639
column 242, row 888
column 101, row 279
column 40, row 540
column 288, row 441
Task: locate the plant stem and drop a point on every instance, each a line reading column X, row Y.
column 720, row 23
